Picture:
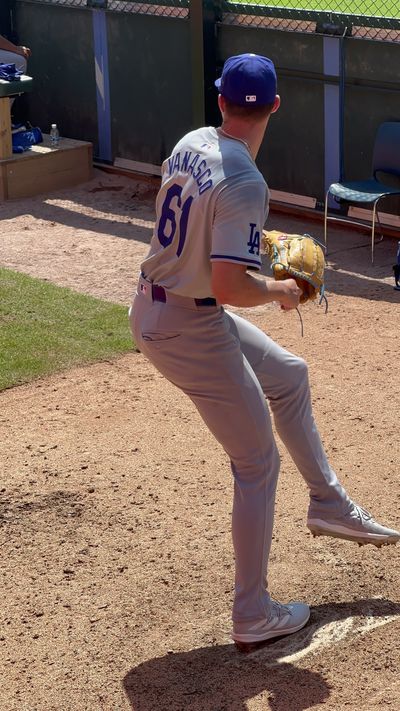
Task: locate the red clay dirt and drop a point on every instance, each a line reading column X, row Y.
column 115, row 501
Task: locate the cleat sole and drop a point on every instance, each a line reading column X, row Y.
column 378, row 542
column 248, row 647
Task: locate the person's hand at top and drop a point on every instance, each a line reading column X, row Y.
column 25, row 51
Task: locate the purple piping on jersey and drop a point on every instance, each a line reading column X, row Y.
column 236, row 259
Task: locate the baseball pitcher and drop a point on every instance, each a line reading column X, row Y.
column 205, row 253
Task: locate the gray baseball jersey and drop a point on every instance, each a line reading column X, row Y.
column 198, row 220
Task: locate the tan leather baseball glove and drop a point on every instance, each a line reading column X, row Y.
column 299, row 257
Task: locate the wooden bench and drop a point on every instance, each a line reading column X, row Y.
column 43, row 167
column 9, row 89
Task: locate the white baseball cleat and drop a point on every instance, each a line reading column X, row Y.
column 356, row 525
column 284, row 620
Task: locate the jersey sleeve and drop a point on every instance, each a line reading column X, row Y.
column 238, row 221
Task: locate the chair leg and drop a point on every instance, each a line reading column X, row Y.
column 379, row 223
column 326, row 223
column 373, row 231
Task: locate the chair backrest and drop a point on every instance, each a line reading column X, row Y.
column 386, row 157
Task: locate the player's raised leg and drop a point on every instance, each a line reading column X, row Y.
column 284, row 380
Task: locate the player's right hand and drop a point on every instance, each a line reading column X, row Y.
column 289, row 296
column 25, row 51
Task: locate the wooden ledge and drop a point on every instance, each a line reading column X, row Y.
column 44, row 168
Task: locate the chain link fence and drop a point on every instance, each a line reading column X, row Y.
column 66, row 3
column 165, row 8
column 369, row 19
column 177, row 9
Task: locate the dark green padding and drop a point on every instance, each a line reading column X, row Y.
column 9, row 88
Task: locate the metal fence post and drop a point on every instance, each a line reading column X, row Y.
column 197, row 61
column 204, row 15
column 100, row 44
column 212, row 15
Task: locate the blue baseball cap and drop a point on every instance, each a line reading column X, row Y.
column 248, row 80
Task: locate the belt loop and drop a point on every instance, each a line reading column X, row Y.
column 145, row 287
column 158, row 293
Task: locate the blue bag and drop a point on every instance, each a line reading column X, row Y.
column 23, row 140
column 9, row 72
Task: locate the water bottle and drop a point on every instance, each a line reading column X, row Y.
column 54, row 135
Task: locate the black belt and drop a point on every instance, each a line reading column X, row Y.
column 159, row 294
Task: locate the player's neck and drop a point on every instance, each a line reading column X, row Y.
column 250, row 134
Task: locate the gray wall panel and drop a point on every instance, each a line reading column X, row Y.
column 150, row 85
column 371, row 68
column 294, row 50
column 291, row 157
column 292, row 154
column 5, row 20
column 365, row 109
column 367, row 106
column 377, row 61
column 62, row 66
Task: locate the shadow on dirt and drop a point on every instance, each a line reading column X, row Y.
column 62, row 504
column 111, row 205
column 221, row 679
column 124, row 208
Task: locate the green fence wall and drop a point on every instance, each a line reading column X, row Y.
column 150, row 84
column 62, row 64
column 371, row 96
column 292, row 154
column 335, row 90
column 6, row 7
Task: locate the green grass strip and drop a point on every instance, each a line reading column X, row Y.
column 375, row 8
column 46, row 328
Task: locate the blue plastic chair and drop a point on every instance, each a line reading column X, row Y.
column 386, row 159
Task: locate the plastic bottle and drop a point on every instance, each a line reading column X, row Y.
column 54, row 135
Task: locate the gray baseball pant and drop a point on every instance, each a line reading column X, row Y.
column 228, row 367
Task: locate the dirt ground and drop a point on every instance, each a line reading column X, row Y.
column 115, row 502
